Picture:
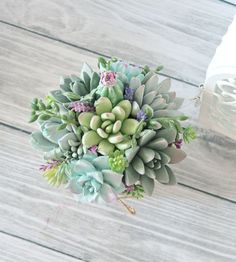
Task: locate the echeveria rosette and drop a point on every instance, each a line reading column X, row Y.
column 74, row 88
column 153, row 98
column 110, row 86
column 109, row 127
column 149, row 160
column 91, row 180
column 56, row 144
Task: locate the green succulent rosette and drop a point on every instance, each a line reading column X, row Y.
column 149, row 160
column 109, row 127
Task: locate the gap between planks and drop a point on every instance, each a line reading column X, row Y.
column 83, row 48
column 181, row 184
column 41, row 245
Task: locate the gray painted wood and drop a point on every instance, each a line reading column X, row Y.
column 13, row 249
column 32, row 66
column 181, row 35
column 176, row 224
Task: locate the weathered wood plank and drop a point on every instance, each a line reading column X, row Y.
column 181, row 35
column 176, row 224
column 14, row 249
column 31, row 67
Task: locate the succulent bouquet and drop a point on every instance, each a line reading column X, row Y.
column 110, row 134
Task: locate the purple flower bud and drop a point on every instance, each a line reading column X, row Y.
column 129, row 93
column 179, row 143
column 108, row 78
column 141, row 116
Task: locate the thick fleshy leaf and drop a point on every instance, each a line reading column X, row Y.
column 162, row 175
column 94, row 81
column 50, row 131
column 63, row 142
column 134, row 83
column 168, row 113
column 126, row 105
column 107, row 193
column 147, row 184
column 150, row 172
column 138, row 165
column 148, row 98
column 95, row 122
column 131, row 176
column 175, row 154
column 151, row 84
column 112, row 178
column 97, row 175
column 58, row 96
column 39, row 142
column 65, row 83
column 87, row 80
column 146, row 136
column 135, row 109
column 131, row 153
column 91, row 138
column 55, row 154
column 101, row 163
column 105, row 147
column 74, row 187
column 82, row 167
column 85, row 118
column 169, row 134
column 165, row 159
column 116, row 138
column 124, row 145
column 138, row 95
column 103, row 105
column 86, row 68
column 176, row 104
column 164, row 86
column 158, row 103
column 158, row 144
column 172, row 178
column 146, row 154
column 147, row 77
column 119, row 113
column 129, row 126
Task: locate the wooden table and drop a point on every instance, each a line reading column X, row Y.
column 41, row 40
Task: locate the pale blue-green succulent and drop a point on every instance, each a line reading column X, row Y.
column 92, row 180
column 149, row 160
column 57, row 144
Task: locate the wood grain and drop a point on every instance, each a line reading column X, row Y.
column 176, row 224
column 181, row 35
column 14, row 249
column 32, row 66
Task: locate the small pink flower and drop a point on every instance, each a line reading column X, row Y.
column 78, row 106
column 49, row 165
column 129, row 189
column 108, row 78
column 93, row 149
column 179, row 143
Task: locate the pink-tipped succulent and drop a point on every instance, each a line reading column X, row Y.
column 179, row 143
column 108, row 78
